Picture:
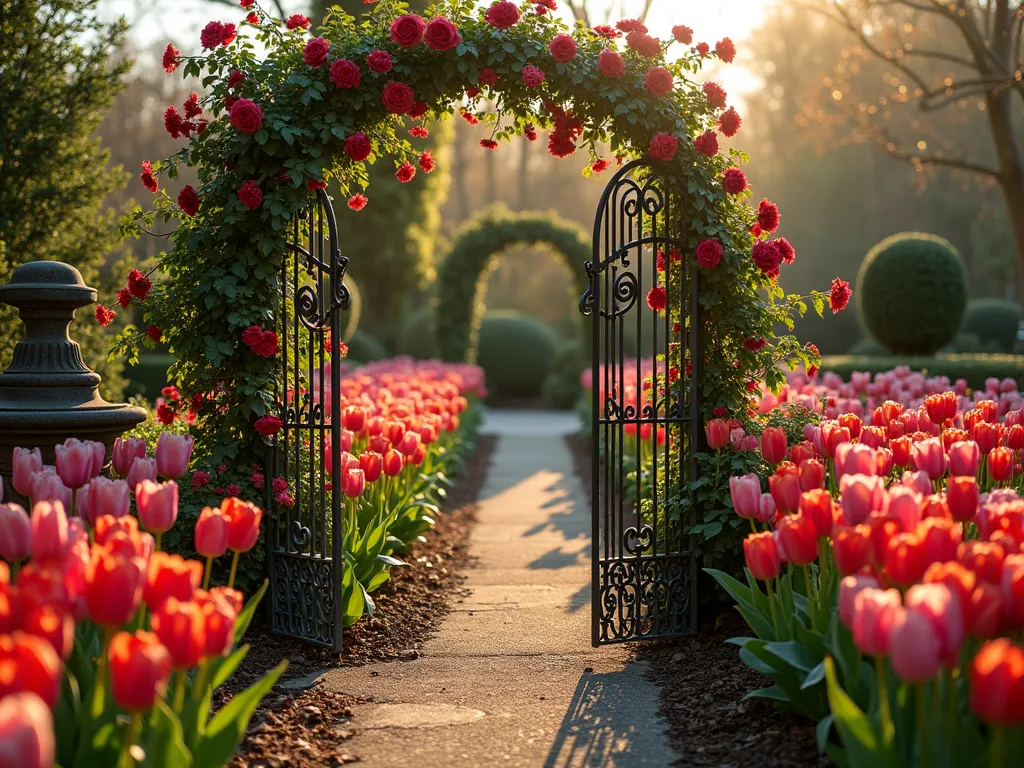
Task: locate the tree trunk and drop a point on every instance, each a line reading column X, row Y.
column 1011, row 175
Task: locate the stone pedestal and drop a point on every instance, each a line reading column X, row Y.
column 48, row 394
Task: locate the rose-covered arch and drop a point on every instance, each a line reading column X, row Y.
column 320, row 106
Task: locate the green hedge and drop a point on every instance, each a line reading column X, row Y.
column 974, row 368
column 148, row 376
column 993, row 321
column 463, row 273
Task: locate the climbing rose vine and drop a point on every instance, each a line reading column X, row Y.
column 321, row 104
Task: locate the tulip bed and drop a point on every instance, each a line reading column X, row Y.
column 884, row 578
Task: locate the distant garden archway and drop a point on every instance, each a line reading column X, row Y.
column 475, row 252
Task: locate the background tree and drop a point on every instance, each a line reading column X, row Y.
column 57, row 76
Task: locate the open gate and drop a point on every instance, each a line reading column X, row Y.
column 304, row 541
column 646, row 406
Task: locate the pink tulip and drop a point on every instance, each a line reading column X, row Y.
column 855, row 459
column 736, row 435
column 26, row 463
column 141, row 469
column 173, row 453
column 26, row 732
column 157, row 504
column 963, row 458
column 874, row 611
column 74, row 462
column 126, row 450
column 49, row 532
column 766, row 509
column 928, row 457
column 905, row 506
column 946, row 616
column 748, row 443
column 409, row 443
column 15, row 533
column 849, row 588
column 105, row 497
column 913, row 647
column 746, row 495
column 99, row 456
column 917, row 481
column 861, row 495
column 47, row 486
column 354, row 483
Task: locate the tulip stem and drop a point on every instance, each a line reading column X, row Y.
column 156, row 539
column 101, row 672
column 179, row 690
column 753, row 525
column 995, row 752
column 206, row 573
column 74, row 494
column 771, row 605
column 234, row 569
column 131, row 735
column 883, row 694
column 812, row 598
column 923, row 755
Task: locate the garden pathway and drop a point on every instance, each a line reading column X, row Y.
column 511, row 677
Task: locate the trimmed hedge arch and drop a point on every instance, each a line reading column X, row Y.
column 459, row 304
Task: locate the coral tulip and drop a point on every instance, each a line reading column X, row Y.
column 173, row 453
column 1012, row 591
column 985, row 558
column 717, row 432
column 939, row 538
column 181, row 627
column 773, row 445
column 26, row 732
column 139, row 668
column 25, row 464
column 832, row 436
column 243, row 523
column 15, row 533
column 812, row 474
column 958, row 579
column 852, row 423
column 29, row 663
column 817, row 505
column 901, row 451
column 53, row 624
column 219, row 624
column 353, row 418
column 170, row 576
column 913, row 647
column 762, row 556
column 852, row 548
column 997, row 683
column 874, row 611
column 927, row 456
column 745, row 492
column 211, row 535
column 49, row 532
column 797, row 535
column 963, row 458
column 354, row 483
column 986, row 436
column 126, row 450
column 784, row 486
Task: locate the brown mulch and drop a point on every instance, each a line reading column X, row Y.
column 702, row 681
column 309, row 727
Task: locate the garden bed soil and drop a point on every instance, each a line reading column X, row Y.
column 298, row 725
column 702, row 681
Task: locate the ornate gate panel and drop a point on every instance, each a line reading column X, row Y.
column 304, row 542
column 647, row 359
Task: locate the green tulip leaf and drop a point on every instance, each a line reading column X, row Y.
column 864, row 748
column 793, row 653
column 165, row 741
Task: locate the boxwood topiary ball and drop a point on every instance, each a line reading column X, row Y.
column 993, row 320
column 912, row 293
column 517, row 352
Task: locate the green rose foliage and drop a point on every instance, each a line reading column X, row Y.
column 221, row 272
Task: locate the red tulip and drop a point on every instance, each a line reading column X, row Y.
column 170, row 576
column 157, row 504
column 1001, row 463
column 139, row 668
column 874, row 612
column 927, row 456
column 25, row 464
column 762, row 556
column 173, row 453
column 957, row 579
column 53, row 624
column 802, row 452
column 15, row 533
column 997, row 683
column 812, row 474
column 394, row 431
column 832, row 436
column 243, row 523
column 785, row 487
column 113, row 587
column 1015, row 437
column 26, row 732
column 181, row 627
column 986, row 436
column 1007, row 518
column 962, row 497
column 851, row 546
column 353, row 418
column 379, row 445
column 409, row 444
column 817, row 505
column 984, row 558
column 211, row 537
column 126, row 450
column 29, row 663
column 939, row 539
column 354, row 483
column 849, row 588
column 1012, row 585
column 773, row 445
column 745, row 491
column 372, row 465
column 985, row 614
column 852, row 423
column 219, row 618
column 798, row 538
column 717, row 431
column 905, row 561
column 901, row 451
column 873, row 437
column 393, row 463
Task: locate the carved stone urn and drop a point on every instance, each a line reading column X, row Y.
column 48, row 394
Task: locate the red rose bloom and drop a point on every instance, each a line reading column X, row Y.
column 609, row 33
column 470, row 118
column 297, row 21
column 715, row 95
column 703, row 48
column 659, row 81
column 246, row 116
column 379, row 61
column 250, row 194
column 314, row 184
column 172, row 122
column 472, row 91
column 139, row 285
column 147, row 178
column 358, row 147
column 611, row 64
column 104, row 316
column 188, row 200
column 787, row 251
column 664, row 146
column 755, row 345
column 766, row 256
column 682, row 34
column 170, row 59
column 734, row 181
column 345, row 74
column 229, row 34
column 407, row 31
column 707, row 143
column 427, row 162
column 709, row 253
column 268, row 425
column 357, row 202
column 487, row 76
column 600, row 165
column 839, row 295
column 200, row 479
column 645, row 45
column 406, row 173
column 561, row 144
column 191, row 105
column 154, row 332
column 124, row 298
column 632, row 25
column 398, row 98
column 419, row 132
column 419, row 109
column 165, row 414
column 530, row 133
column 767, row 216
column 315, row 52
column 212, row 35
column 441, row 34
column 253, row 18
column 502, row 15
column 656, row 298
column 246, row 3
column 235, row 79
column 730, row 122
column 488, row 144
column 563, row 48
column 726, row 50
column 533, row 76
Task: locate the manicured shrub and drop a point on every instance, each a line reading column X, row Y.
column 562, row 387
column 912, row 293
column 517, row 353
column 418, row 338
column 993, row 320
column 974, row 368
column 364, row 348
column 868, row 347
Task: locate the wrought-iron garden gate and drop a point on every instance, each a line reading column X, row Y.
column 647, row 360
column 304, row 541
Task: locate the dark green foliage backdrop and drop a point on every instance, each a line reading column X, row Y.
column 57, row 75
